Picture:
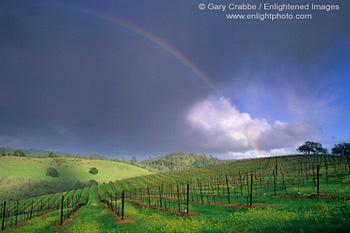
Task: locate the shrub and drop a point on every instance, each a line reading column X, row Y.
column 52, row 172
column 19, row 153
column 93, row 171
column 53, row 155
column 93, row 182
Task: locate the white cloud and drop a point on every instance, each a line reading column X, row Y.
column 220, row 127
column 262, row 153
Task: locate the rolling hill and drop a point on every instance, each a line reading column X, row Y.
column 25, row 177
column 299, row 193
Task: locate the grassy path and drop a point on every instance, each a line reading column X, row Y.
column 91, row 218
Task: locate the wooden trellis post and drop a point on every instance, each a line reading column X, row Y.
column 123, row 193
column 188, row 194
column 251, row 190
column 17, row 211
column 228, row 190
column 160, row 198
column 3, row 216
column 62, row 211
column 318, row 180
column 274, row 181
column 178, row 197
column 31, row 211
column 149, row 198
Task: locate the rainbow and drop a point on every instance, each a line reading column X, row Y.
column 176, row 54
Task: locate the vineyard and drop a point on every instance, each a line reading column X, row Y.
column 302, row 193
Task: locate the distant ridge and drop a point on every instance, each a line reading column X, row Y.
column 30, row 151
column 182, row 161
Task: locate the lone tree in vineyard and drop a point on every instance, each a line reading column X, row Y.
column 341, row 149
column 310, row 147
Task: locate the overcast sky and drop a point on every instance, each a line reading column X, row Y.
column 117, row 78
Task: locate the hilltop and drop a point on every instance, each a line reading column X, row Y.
column 181, row 161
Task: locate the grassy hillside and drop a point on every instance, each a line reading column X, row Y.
column 68, row 169
column 18, row 172
column 171, row 162
column 284, row 194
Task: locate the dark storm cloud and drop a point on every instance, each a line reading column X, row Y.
column 101, row 87
column 76, row 82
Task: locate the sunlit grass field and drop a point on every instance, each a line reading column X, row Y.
column 294, row 208
column 289, row 215
column 68, row 169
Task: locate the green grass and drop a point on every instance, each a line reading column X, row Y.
column 91, row 218
column 41, row 224
column 280, row 213
column 68, row 169
column 22, row 177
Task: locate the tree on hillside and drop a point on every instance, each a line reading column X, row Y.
column 181, row 161
column 19, row 153
column 134, row 159
column 323, row 151
column 93, row 170
column 51, row 172
column 310, row 147
column 93, row 182
column 3, row 150
column 341, row 149
column 53, row 155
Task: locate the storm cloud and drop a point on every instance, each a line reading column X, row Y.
column 74, row 80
